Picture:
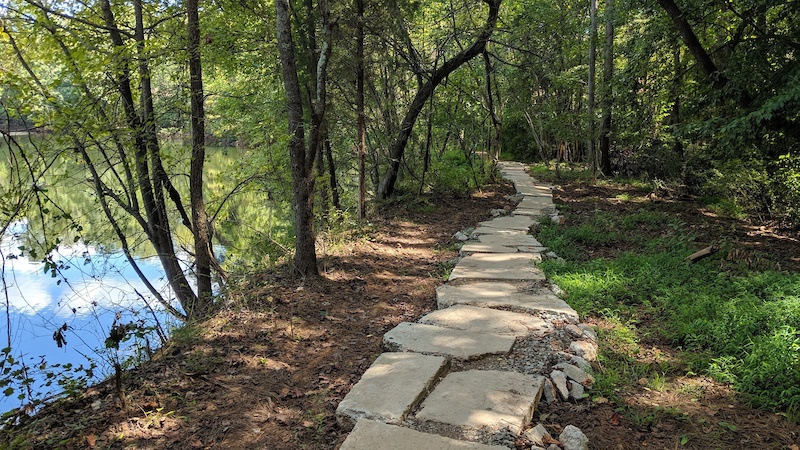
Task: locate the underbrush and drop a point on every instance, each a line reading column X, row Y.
column 729, row 320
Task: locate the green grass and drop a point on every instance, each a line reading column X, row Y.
column 742, row 326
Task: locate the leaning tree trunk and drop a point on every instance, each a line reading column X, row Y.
column 157, row 224
column 386, row 186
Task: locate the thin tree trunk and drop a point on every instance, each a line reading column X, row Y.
column 362, row 118
column 675, row 114
column 590, row 148
column 202, row 244
column 496, row 143
column 608, row 73
column 386, row 186
column 305, row 260
column 332, row 174
column 157, row 230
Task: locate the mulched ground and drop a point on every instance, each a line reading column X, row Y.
column 269, row 371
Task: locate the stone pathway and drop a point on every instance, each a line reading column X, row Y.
column 470, row 375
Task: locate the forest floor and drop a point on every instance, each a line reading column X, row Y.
column 269, row 371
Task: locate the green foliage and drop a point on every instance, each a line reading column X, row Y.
column 744, row 324
column 18, row 379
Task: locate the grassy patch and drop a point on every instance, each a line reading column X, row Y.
column 740, row 326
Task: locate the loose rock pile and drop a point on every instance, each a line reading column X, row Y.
column 469, row 375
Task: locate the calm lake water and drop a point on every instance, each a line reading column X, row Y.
column 96, row 285
column 92, row 290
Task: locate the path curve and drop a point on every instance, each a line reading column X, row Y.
column 470, row 374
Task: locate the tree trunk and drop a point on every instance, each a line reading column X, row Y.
column 495, row 143
column 305, row 260
column 386, row 186
column 608, row 74
column 332, row 174
column 675, row 113
column 202, row 244
column 361, row 143
column 718, row 79
column 157, row 226
column 590, row 148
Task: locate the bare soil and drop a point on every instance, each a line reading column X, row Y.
column 269, row 371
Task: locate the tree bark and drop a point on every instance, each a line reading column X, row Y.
column 386, row 186
column 158, row 230
column 496, row 143
column 202, row 244
column 608, row 74
column 305, row 260
column 590, row 142
column 361, row 144
column 707, row 65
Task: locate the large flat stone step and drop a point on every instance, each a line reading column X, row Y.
column 498, row 266
column 459, row 344
column 503, row 295
column 393, row 385
column 485, row 320
column 498, row 231
column 483, row 399
column 509, row 222
column 509, row 239
column 481, row 247
column 371, row 435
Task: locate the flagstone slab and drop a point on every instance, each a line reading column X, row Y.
column 509, row 240
column 504, row 295
column 498, row 248
column 498, row 266
column 372, row 435
column 533, row 212
column 485, row 320
column 509, row 222
column 498, row 231
column 483, row 399
column 535, row 203
column 486, row 248
column 393, row 385
column 459, row 344
column 533, row 190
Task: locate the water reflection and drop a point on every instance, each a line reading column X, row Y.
column 247, row 194
column 90, row 291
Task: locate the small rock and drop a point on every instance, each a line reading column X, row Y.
column 549, row 391
column 560, row 382
column 498, row 212
column 582, row 363
column 574, row 330
column 576, row 391
column 556, row 219
column 572, row 438
column 575, row 373
column 553, row 447
column 537, row 434
column 551, row 255
column 97, row 404
column 556, row 290
column 588, row 331
column 585, row 349
column 461, row 236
